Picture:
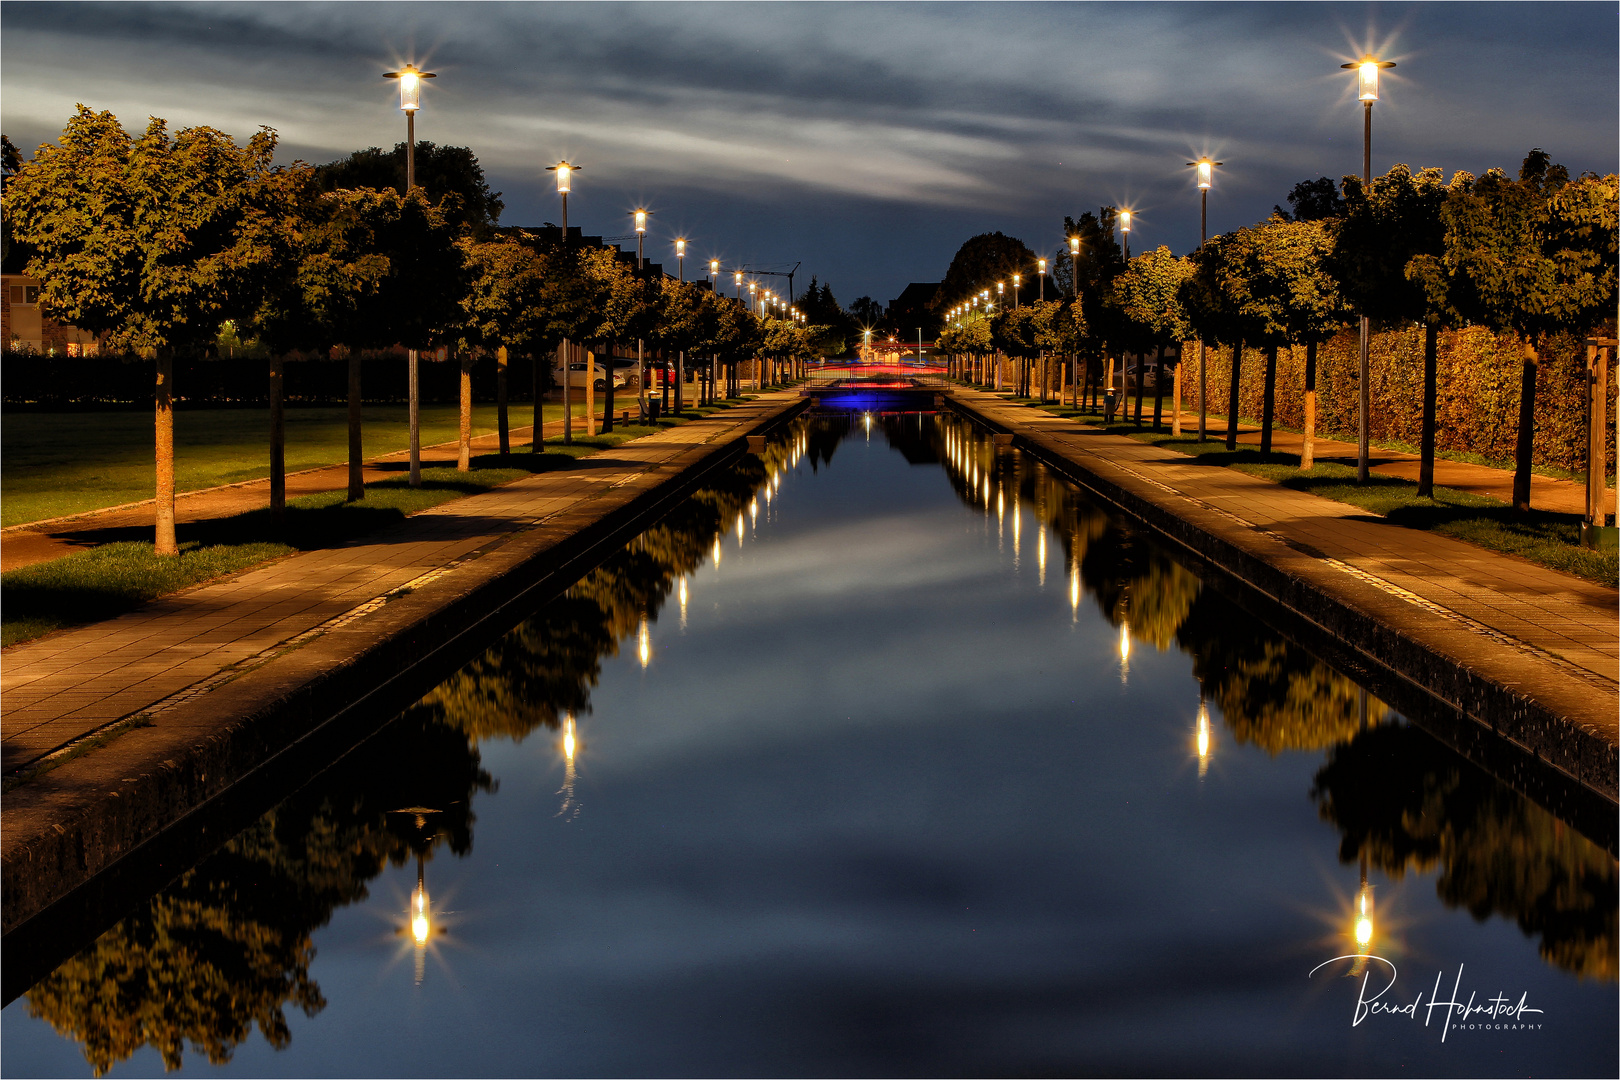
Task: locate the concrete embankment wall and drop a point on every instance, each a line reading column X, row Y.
column 75, row 835
column 1522, row 739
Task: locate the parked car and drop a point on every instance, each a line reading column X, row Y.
column 599, row 375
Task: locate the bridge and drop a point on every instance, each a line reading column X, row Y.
column 903, row 384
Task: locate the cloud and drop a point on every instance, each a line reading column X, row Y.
column 795, row 128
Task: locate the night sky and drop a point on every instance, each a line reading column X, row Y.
column 865, row 140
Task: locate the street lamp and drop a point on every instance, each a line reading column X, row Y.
column 1074, row 295
column 1125, row 227
column 641, row 232
column 410, row 99
column 565, row 183
column 1040, row 268
column 714, row 267
column 1016, row 279
column 1206, row 176
column 680, row 257
column 1366, row 70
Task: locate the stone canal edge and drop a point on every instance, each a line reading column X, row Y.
column 312, row 699
column 1509, row 709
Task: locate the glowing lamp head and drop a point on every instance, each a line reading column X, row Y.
column 1040, row 266
column 1074, row 246
column 1001, row 287
column 1016, row 279
column 680, row 248
column 410, row 86
column 714, row 267
column 641, row 220
column 1206, row 171
column 1125, row 221
column 738, row 276
column 565, row 176
column 753, row 286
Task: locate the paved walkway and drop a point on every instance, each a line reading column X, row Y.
column 41, row 541
column 62, row 687
column 1551, row 635
column 1546, row 493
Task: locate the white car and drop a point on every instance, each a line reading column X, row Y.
column 599, row 375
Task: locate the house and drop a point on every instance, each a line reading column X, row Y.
column 25, row 328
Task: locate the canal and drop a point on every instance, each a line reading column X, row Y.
column 888, row 752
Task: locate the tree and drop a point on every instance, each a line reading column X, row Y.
column 821, row 309
column 1381, row 230
column 867, row 312
column 501, row 309
column 440, row 171
column 1534, row 256
column 1284, row 295
column 1313, row 200
column 153, row 241
column 1210, row 298
column 979, row 263
column 1149, row 314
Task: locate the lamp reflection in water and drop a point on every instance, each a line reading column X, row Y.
column 570, row 748
column 1040, row 555
column 1205, row 738
column 717, row 551
column 683, row 603
column 1124, row 651
column 868, row 427
column 644, row 643
column 1362, row 925
column 421, row 922
column 740, row 529
column 753, row 511
column 1074, row 592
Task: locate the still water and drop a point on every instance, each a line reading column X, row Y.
column 888, row 754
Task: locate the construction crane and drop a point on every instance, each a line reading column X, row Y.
column 779, row 273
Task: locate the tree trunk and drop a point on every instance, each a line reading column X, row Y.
column 1232, row 403
column 1307, row 456
column 464, row 448
column 1141, row 384
column 500, row 402
column 680, row 377
column 415, row 390
column 565, row 360
column 1158, row 393
column 1527, row 428
column 278, row 443
column 1268, row 406
column 590, row 388
column 1175, row 392
column 1431, row 353
column 163, row 541
column 357, row 465
column 538, row 437
column 607, row 394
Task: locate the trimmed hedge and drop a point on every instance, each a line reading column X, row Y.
column 1477, row 401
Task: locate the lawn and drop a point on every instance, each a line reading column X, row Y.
column 114, row 578
column 52, row 464
column 1549, row 539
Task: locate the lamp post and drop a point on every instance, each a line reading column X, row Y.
column 1366, row 70
column 640, row 214
column 565, row 351
column 1206, row 176
column 1016, row 279
column 1125, row 227
column 410, row 99
column 1040, row 269
column 1074, row 297
column 680, row 357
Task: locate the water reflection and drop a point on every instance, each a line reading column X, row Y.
column 228, row 947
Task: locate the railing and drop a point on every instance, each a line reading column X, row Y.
column 891, row 376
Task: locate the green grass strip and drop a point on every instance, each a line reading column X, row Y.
column 114, row 578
